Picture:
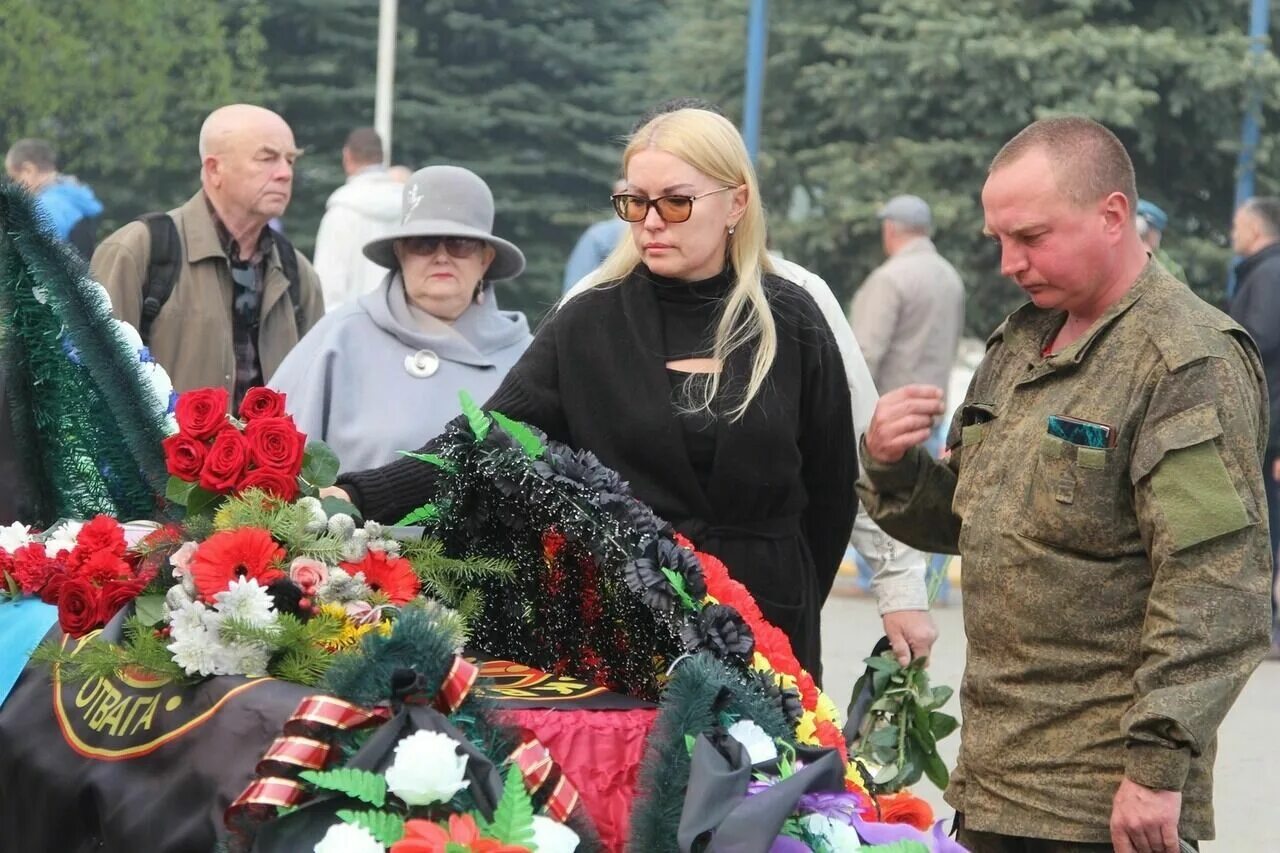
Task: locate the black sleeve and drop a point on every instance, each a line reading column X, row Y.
column 529, row 393
column 829, row 465
column 1257, row 308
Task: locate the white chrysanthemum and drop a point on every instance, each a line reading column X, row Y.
column 551, row 836
column 191, row 616
column 195, row 651
column 14, row 537
column 249, row 659
column 177, row 598
column 760, row 747
column 427, row 769
column 348, row 838
column 62, row 539
column 245, row 601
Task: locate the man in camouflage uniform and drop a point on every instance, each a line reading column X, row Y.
column 1116, row 568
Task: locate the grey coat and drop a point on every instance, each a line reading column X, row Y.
column 348, row 385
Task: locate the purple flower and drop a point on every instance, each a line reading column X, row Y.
column 889, row 833
column 841, row 805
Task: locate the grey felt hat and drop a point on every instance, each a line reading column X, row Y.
column 909, row 210
column 447, row 201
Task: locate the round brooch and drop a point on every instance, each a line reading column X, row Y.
column 422, row 363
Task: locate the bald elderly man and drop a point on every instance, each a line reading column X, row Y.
column 240, row 297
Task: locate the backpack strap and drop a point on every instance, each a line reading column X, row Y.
column 162, row 269
column 289, row 265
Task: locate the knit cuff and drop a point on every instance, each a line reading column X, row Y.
column 1160, row 768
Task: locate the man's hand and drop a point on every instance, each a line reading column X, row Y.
column 1275, row 470
column 903, row 418
column 1144, row 820
column 911, row 633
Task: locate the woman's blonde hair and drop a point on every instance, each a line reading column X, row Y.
column 712, row 145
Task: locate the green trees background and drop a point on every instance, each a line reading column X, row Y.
column 863, row 99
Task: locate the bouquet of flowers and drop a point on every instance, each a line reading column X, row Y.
column 421, row 806
column 213, row 455
column 86, row 569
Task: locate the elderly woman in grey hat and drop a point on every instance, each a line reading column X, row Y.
column 377, row 374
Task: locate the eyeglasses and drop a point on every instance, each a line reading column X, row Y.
column 672, row 208
column 457, row 247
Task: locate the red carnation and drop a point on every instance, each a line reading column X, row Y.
column 275, row 443
column 392, row 576
column 261, row 403
column 117, row 594
column 102, row 567
column 227, row 460
column 184, row 456
column 249, row 552
column 6, row 564
column 278, row 483
column 32, row 568
column 103, row 535
column 201, row 413
column 79, row 607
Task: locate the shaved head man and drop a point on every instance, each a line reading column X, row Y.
column 242, row 296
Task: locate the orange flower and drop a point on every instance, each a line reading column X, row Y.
column 249, row 552
column 422, row 836
column 906, row 808
column 391, row 576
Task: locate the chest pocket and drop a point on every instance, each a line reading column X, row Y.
column 1079, row 499
column 977, row 424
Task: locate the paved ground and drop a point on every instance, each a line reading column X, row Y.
column 1248, row 770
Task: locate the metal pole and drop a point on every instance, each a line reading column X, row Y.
column 1250, row 132
column 384, row 88
column 757, row 43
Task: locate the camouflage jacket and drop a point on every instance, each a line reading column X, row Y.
column 1115, row 597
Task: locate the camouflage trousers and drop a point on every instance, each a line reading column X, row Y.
column 991, row 842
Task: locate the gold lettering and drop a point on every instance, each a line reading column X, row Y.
column 81, row 699
column 148, row 717
column 114, row 719
column 96, row 718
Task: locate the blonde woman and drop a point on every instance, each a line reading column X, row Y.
column 712, row 385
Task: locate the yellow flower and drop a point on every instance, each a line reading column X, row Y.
column 807, row 728
column 827, row 709
column 851, row 774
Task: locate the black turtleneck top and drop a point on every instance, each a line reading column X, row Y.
column 690, row 311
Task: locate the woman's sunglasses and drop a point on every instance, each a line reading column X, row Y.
column 457, row 247
column 672, row 208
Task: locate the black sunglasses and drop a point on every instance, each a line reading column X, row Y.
column 457, row 247
column 672, row 208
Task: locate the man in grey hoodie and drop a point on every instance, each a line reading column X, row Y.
column 366, row 207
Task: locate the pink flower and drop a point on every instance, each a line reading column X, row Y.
column 308, row 573
column 182, row 557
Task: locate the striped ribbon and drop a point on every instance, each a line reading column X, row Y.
column 541, row 772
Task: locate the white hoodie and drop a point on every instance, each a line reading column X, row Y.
column 366, row 207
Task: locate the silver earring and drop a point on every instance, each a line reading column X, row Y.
column 731, row 227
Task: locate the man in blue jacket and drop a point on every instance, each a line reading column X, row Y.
column 71, row 207
column 1255, row 237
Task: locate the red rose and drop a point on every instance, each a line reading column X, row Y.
column 261, row 403
column 117, row 594
column 278, row 483
column 32, row 568
column 52, row 589
column 184, row 456
column 201, row 413
column 79, row 607
column 275, row 443
column 227, row 460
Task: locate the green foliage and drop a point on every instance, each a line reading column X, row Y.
column 903, row 725
column 450, row 579
column 513, row 818
column 866, row 99
column 425, row 514
column 431, row 459
column 362, row 785
column 477, row 419
column 524, row 436
column 142, row 652
column 319, row 465
column 677, row 583
column 687, row 711
column 387, row 827
column 287, row 522
column 120, row 87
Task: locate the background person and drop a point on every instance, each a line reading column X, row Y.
column 71, row 206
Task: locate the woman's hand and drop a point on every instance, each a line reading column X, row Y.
column 335, row 492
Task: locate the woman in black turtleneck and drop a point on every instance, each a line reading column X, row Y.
column 709, row 383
